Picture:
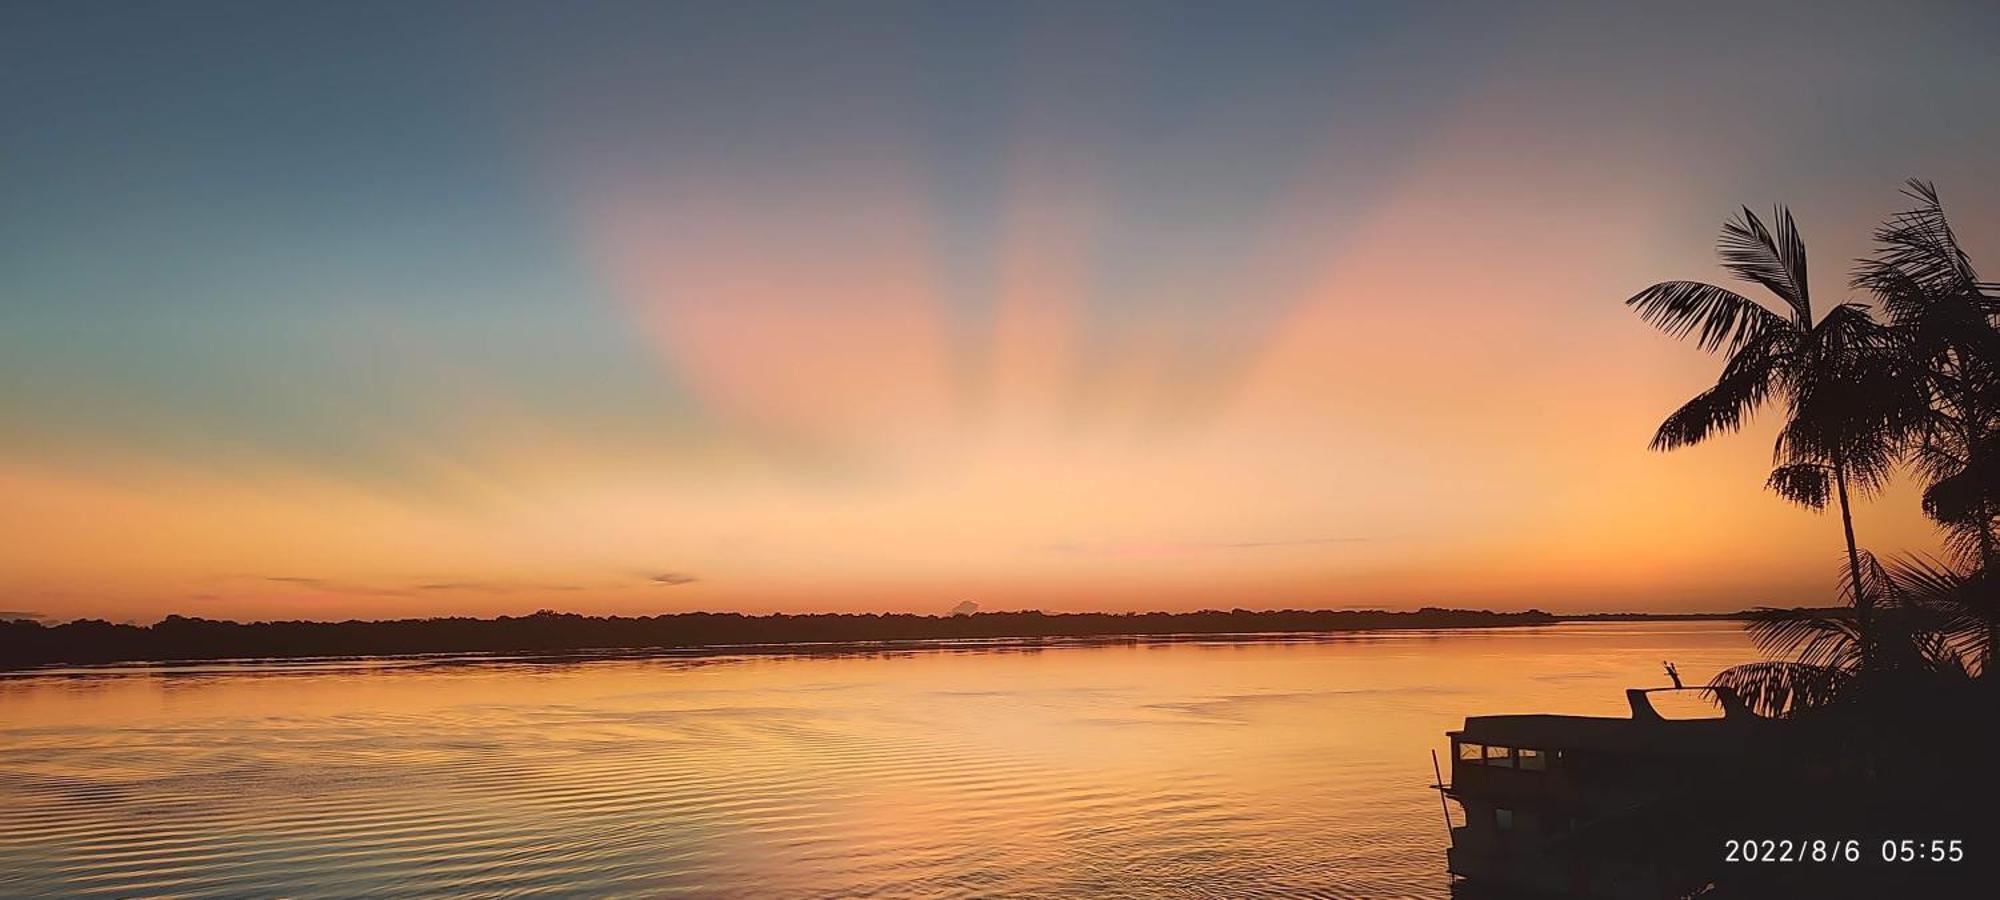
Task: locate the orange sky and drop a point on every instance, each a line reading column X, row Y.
column 781, row 343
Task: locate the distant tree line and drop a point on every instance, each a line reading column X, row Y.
column 26, row 643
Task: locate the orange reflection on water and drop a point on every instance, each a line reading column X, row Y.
column 1277, row 767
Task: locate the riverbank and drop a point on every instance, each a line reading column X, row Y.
column 25, row 643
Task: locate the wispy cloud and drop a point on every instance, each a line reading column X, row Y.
column 419, row 585
column 674, row 579
column 11, row 614
column 496, row 587
column 335, row 586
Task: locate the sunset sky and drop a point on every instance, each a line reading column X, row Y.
column 412, row 309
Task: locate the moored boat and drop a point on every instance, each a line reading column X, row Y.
column 1593, row 806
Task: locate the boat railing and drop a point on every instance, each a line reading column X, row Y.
column 1731, row 702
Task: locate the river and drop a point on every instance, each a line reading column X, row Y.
column 1292, row 766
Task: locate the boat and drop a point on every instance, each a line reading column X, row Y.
column 1589, row 806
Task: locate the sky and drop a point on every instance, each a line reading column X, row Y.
column 404, row 309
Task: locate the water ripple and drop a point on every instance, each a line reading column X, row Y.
column 1293, row 769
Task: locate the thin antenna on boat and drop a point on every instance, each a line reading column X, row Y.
column 1442, row 805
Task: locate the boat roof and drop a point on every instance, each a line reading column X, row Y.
column 1716, row 736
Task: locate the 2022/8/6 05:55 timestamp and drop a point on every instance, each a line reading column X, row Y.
column 1843, row 850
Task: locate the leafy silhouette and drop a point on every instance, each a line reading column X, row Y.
column 1841, row 383
column 1820, row 657
column 1943, row 316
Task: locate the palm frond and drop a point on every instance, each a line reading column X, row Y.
column 1776, row 262
column 1865, row 446
column 1964, row 543
column 1722, row 317
column 1927, row 285
column 1853, row 402
column 1959, row 497
column 1934, row 320
column 1874, row 583
column 1811, row 637
column 1778, row 688
column 1851, row 328
column 1871, row 465
column 1953, row 612
column 1935, row 456
column 1807, row 484
column 1918, row 247
column 1746, row 381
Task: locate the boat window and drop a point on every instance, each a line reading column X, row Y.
column 1503, row 818
column 1499, row 756
column 1533, row 759
column 1471, row 753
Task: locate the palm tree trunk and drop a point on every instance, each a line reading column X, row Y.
column 1864, row 605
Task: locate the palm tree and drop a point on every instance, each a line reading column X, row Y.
column 1953, row 605
column 1945, row 319
column 1922, row 635
column 1834, row 374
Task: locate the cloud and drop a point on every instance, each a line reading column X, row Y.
column 494, row 587
column 416, row 585
column 333, row 586
column 8, row 615
column 674, row 579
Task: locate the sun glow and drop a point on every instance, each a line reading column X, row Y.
column 777, row 323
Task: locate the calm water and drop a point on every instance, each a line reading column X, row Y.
column 1282, row 768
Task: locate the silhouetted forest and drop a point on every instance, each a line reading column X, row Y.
column 29, row 643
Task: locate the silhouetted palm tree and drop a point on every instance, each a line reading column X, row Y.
column 1922, row 634
column 1955, row 607
column 1835, row 375
column 1945, row 317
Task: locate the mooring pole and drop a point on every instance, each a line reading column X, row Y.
column 1442, row 805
